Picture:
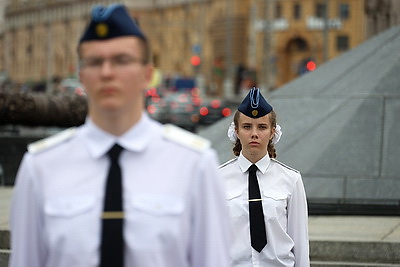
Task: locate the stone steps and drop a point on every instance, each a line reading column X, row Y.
column 4, row 239
column 4, row 257
column 350, row 264
column 322, row 253
column 4, row 247
column 376, row 252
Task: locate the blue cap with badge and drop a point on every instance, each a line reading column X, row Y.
column 111, row 22
column 254, row 104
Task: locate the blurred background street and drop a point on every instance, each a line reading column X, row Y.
column 330, row 69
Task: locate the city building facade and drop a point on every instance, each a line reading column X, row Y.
column 237, row 43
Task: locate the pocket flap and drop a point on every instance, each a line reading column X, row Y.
column 158, row 204
column 234, row 193
column 69, row 206
column 274, row 195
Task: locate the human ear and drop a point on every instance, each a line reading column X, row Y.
column 149, row 73
column 273, row 129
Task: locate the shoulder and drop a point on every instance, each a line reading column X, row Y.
column 284, row 166
column 185, row 138
column 51, row 141
column 229, row 162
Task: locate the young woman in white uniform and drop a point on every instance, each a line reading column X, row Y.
column 280, row 235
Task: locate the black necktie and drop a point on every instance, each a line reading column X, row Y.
column 258, row 234
column 112, row 241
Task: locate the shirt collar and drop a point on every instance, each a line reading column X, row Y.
column 135, row 139
column 262, row 164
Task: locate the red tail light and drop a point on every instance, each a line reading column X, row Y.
column 215, row 103
column 155, row 98
column 151, row 109
column 226, row 112
column 151, row 92
column 203, row 111
column 195, row 92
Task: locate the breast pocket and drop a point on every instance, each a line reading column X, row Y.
column 274, row 204
column 236, row 203
column 71, row 223
column 154, row 221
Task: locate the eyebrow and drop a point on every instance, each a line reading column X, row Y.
column 250, row 123
column 121, row 54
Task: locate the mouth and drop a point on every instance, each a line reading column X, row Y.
column 108, row 90
column 254, row 143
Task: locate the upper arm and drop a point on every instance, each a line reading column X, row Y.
column 26, row 223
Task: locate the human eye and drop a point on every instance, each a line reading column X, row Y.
column 246, row 126
column 92, row 62
column 123, row 60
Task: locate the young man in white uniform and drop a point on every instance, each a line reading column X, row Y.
column 172, row 211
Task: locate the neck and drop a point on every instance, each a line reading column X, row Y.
column 116, row 123
column 253, row 157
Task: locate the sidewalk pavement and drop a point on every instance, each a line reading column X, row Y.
column 335, row 241
column 5, row 199
column 321, row 228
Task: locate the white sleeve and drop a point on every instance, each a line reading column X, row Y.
column 27, row 247
column 211, row 235
column 298, row 224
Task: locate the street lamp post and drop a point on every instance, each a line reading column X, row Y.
column 228, row 81
column 326, row 32
column 267, row 44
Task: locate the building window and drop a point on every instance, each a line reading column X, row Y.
column 342, row 43
column 278, row 11
column 297, row 11
column 344, row 11
column 298, row 45
column 29, row 50
column 320, row 10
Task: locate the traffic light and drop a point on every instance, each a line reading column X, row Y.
column 195, row 61
column 311, row 65
column 306, row 65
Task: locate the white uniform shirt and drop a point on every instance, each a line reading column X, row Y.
column 285, row 213
column 175, row 212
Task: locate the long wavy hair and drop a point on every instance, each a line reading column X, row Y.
column 238, row 146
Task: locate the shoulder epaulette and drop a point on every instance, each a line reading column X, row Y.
column 227, row 163
column 284, row 165
column 185, row 138
column 51, row 141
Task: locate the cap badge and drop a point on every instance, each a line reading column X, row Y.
column 101, row 29
column 254, row 113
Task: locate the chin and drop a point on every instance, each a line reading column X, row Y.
column 257, row 151
column 110, row 107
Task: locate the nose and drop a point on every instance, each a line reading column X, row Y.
column 106, row 68
column 254, row 133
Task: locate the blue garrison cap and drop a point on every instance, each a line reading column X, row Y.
column 254, row 104
column 110, row 22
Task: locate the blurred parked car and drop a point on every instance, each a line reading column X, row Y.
column 212, row 110
column 183, row 110
column 157, row 108
column 156, row 104
column 185, row 107
column 71, row 86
